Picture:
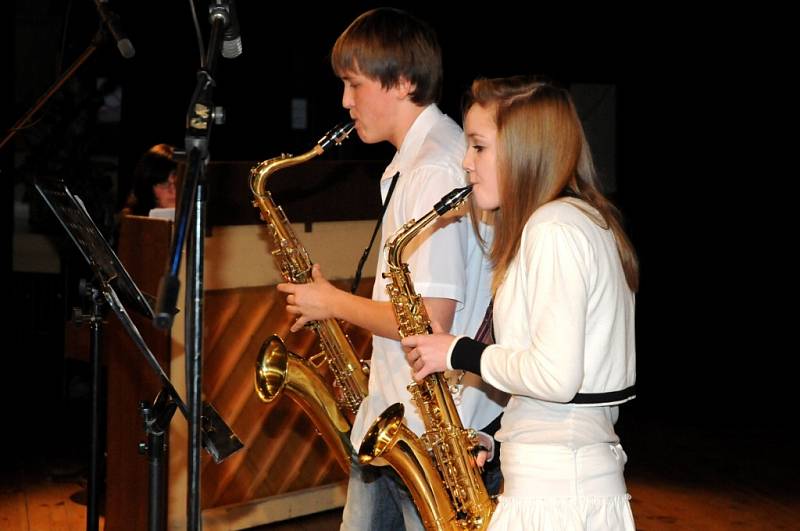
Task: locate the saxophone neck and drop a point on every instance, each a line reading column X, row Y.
column 400, row 239
column 260, row 173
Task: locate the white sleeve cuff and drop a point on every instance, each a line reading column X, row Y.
column 487, row 441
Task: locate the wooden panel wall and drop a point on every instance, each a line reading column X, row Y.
column 283, row 452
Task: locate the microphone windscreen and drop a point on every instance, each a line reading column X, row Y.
column 231, row 49
column 125, row 47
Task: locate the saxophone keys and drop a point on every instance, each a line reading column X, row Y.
column 318, row 359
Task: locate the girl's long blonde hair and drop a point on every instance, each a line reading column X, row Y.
column 542, row 154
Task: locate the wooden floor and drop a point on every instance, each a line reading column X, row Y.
column 680, row 478
column 37, row 497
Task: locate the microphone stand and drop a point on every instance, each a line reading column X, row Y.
column 193, row 191
column 93, row 294
column 157, row 417
column 24, row 121
column 92, row 516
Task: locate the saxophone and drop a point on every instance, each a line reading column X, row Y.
column 438, row 468
column 277, row 368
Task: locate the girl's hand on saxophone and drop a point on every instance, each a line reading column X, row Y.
column 313, row 301
column 427, row 353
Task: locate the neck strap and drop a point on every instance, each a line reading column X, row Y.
column 363, row 260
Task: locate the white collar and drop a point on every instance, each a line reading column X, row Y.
column 413, row 140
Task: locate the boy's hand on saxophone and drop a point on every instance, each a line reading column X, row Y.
column 313, row 301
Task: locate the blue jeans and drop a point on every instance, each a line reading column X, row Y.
column 493, row 477
column 377, row 500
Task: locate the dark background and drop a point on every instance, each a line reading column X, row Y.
column 714, row 346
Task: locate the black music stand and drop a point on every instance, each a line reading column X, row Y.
column 111, row 284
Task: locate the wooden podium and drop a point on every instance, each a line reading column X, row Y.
column 143, row 251
column 285, row 468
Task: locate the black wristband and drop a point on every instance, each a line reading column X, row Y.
column 467, row 355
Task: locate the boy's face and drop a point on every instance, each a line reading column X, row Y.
column 373, row 107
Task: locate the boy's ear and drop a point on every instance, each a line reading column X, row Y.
column 404, row 87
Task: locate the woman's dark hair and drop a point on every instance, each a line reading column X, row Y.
column 154, row 167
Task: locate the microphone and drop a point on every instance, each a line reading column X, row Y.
column 111, row 21
column 232, row 39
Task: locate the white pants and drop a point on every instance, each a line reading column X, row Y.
column 551, row 487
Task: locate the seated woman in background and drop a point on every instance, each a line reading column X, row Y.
column 153, row 181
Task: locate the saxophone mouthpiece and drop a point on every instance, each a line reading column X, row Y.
column 452, row 200
column 337, row 135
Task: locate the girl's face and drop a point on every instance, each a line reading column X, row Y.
column 480, row 161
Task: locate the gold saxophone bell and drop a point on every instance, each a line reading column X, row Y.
column 390, row 442
column 383, row 434
column 279, row 370
column 271, row 365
